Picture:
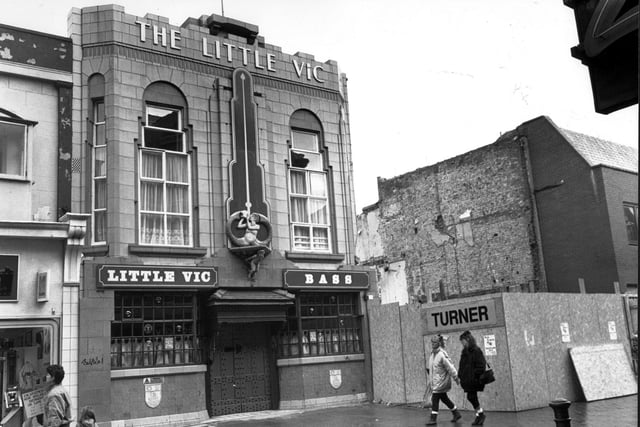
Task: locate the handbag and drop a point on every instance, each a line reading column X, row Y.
column 487, row 376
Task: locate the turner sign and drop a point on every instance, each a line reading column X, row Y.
column 150, row 276
column 461, row 316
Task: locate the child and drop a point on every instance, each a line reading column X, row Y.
column 87, row 418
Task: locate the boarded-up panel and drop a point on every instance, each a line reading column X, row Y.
column 604, row 371
column 386, row 353
column 414, row 354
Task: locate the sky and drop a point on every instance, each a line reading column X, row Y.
column 427, row 80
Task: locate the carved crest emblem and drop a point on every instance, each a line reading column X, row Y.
column 335, row 378
column 152, row 391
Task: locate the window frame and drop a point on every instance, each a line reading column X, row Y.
column 142, row 354
column 24, row 175
column 308, row 197
column 145, row 148
column 301, row 317
column 94, row 178
column 634, row 207
column 16, row 281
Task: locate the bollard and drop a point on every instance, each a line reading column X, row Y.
column 561, row 412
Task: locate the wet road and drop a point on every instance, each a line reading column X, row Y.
column 618, row 412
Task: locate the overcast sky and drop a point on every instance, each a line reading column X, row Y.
column 428, row 80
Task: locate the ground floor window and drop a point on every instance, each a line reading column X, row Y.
column 25, row 352
column 155, row 329
column 322, row 324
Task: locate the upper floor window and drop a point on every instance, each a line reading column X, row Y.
column 308, row 193
column 165, row 193
column 99, row 173
column 631, row 222
column 13, row 149
column 9, row 277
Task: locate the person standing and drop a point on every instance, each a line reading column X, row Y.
column 57, row 405
column 441, row 371
column 472, row 365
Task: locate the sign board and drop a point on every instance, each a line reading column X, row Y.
column 335, row 378
column 613, row 334
column 33, row 402
column 156, row 277
column 564, row 330
column 326, row 279
column 490, row 345
column 468, row 315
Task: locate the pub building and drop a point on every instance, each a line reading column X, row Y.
column 219, row 272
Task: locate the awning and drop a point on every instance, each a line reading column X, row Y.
column 246, row 306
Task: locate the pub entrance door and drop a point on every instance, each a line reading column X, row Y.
column 243, row 371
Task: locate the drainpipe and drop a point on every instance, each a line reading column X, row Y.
column 524, row 144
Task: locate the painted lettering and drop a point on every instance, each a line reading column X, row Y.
column 133, row 275
column 143, row 30
column 464, row 315
column 453, row 317
column 483, row 313
column 323, row 279
column 335, row 279
column 347, row 279
column 187, row 276
column 435, row 318
column 205, row 276
column 473, row 314
column 308, row 279
column 169, row 276
column 146, row 275
column 111, row 276
column 205, row 48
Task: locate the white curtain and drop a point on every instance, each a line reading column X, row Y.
column 298, row 183
column 318, row 210
column 299, row 209
column 152, row 229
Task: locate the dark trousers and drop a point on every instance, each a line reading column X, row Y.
column 435, row 401
column 472, row 397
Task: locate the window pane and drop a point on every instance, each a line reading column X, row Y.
column 301, row 237
column 177, row 168
column 321, row 238
column 100, row 161
column 311, row 161
column 177, row 198
column 99, row 111
column 178, row 230
column 163, row 139
column 100, row 193
column 299, row 209
column 151, row 196
column 318, row 184
column 8, row 277
column 12, row 146
column 305, row 141
column 631, row 222
column 151, row 229
column 100, row 137
column 151, row 165
column 318, row 210
column 163, row 118
column 100, row 225
column 298, row 182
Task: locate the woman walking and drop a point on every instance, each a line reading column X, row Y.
column 472, row 365
column 441, row 371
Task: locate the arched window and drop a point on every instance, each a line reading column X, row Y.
column 165, row 214
column 308, row 185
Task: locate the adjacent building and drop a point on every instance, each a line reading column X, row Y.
column 40, row 238
column 541, row 209
column 219, row 272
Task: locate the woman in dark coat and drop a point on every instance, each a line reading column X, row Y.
column 472, row 365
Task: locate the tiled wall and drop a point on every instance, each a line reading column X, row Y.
column 70, row 341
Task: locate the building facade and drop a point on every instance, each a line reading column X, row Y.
column 219, row 273
column 40, row 237
column 541, row 209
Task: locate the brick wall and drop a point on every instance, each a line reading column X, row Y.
column 462, row 225
column 572, row 211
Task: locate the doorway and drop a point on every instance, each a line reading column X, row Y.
column 243, row 372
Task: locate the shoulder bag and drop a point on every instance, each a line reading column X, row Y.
column 487, row 376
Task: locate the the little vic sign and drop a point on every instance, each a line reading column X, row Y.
column 151, row 276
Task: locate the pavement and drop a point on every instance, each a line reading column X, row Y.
column 617, row 412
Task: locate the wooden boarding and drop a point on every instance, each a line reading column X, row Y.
column 604, row 371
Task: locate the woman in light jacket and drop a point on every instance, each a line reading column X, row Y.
column 441, row 371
